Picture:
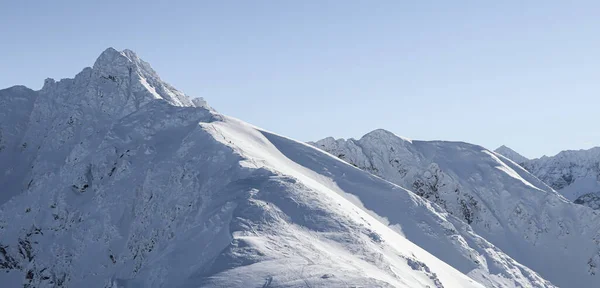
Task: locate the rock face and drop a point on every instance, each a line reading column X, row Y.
column 501, row 201
column 116, row 179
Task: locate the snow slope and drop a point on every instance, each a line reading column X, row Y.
column 501, row 201
column 116, row 179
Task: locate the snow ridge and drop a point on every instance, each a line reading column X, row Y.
column 500, row 201
column 116, row 179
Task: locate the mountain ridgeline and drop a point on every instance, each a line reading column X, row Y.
column 114, row 178
column 501, row 201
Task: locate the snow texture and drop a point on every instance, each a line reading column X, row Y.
column 116, row 179
column 506, row 206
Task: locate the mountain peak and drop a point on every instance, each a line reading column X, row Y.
column 126, row 67
column 384, row 134
column 107, row 56
column 511, row 154
column 111, row 52
column 121, row 62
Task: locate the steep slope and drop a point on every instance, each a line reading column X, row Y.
column 574, row 174
column 407, row 214
column 501, row 201
column 511, row 154
column 45, row 126
column 116, row 179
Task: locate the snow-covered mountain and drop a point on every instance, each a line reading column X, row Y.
column 116, row 179
column 511, row 154
column 501, row 201
column 573, row 173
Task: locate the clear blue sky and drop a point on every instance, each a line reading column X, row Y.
column 488, row 72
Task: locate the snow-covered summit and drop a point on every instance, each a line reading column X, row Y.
column 116, row 179
column 511, row 154
column 384, row 134
column 127, row 75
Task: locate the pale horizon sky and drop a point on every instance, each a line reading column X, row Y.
column 505, row 72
